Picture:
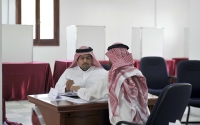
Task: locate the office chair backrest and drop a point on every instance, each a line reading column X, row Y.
column 171, row 104
column 189, row 71
column 155, row 71
column 106, row 67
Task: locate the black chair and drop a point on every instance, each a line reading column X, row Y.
column 106, row 67
column 189, row 71
column 170, row 105
column 155, row 71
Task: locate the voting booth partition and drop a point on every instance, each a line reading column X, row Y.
column 17, row 48
column 147, row 41
column 81, row 35
column 17, row 43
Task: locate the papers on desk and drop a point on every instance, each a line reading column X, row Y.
column 70, row 96
column 53, row 93
column 46, row 98
column 80, row 101
column 152, row 96
column 77, row 101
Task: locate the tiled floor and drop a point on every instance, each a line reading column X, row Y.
column 20, row 111
column 192, row 118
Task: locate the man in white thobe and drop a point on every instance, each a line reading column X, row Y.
column 84, row 71
column 125, row 86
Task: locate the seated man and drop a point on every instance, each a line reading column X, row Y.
column 125, row 85
column 83, row 71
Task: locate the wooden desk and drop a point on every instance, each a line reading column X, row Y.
column 151, row 101
column 68, row 113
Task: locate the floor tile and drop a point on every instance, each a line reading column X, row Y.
column 21, row 110
column 14, row 106
column 14, row 115
column 19, row 120
column 191, row 118
column 11, row 103
column 28, row 105
column 26, row 114
column 8, row 111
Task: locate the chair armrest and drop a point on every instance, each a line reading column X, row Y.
column 125, row 122
column 173, row 77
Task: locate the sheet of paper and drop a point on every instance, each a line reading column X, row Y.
column 152, row 96
column 78, row 101
column 69, row 94
column 53, row 93
column 51, row 99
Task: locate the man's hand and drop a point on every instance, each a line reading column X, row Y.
column 69, row 83
column 75, row 88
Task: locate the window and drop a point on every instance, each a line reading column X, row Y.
column 44, row 16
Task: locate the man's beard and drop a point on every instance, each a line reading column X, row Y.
column 85, row 66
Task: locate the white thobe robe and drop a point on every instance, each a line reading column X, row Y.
column 81, row 78
column 99, row 90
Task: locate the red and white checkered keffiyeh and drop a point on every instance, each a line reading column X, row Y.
column 94, row 60
column 133, row 87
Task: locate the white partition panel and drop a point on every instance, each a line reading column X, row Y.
column 147, row 42
column 186, row 42
column 136, row 43
column 1, row 63
column 71, row 41
column 93, row 36
column 17, row 43
column 152, row 42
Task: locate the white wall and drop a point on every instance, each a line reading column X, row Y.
column 118, row 16
column 4, row 11
column 194, row 36
column 8, row 11
column 173, row 16
column 194, row 30
column 0, row 64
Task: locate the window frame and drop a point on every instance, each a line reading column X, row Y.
column 37, row 41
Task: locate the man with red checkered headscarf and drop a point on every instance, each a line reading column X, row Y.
column 125, row 86
column 84, row 70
